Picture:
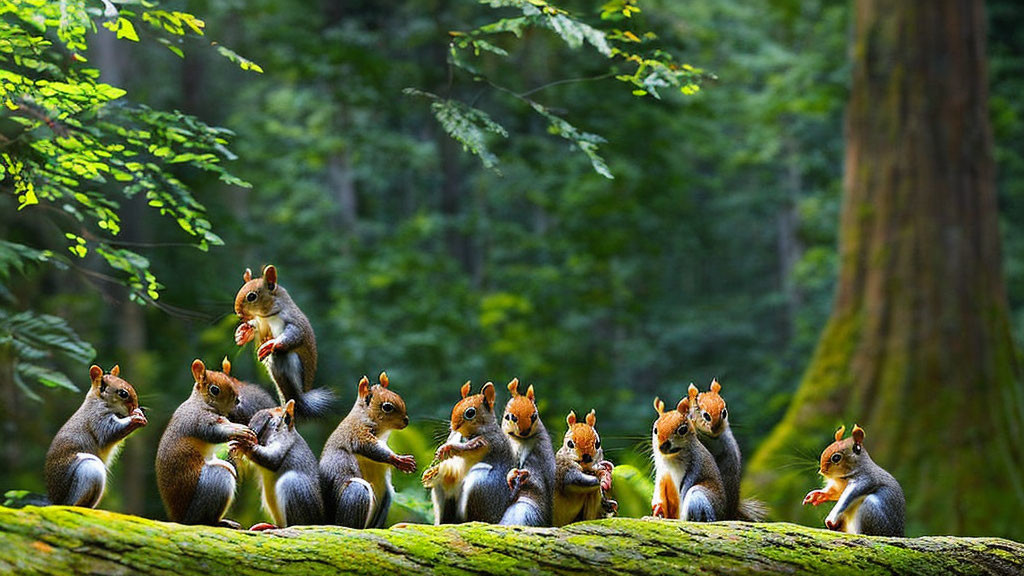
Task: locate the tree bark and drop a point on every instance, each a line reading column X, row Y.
column 918, row 349
column 60, row 540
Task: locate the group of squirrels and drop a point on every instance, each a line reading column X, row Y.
column 497, row 469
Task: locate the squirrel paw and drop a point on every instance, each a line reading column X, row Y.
column 428, row 476
column 266, row 348
column 832, row 524
column 815, row 497
column 244, row 333
column 406, row 463
column 444, row 452
column 261, row 526
column 605, row 476
column 516, row 477
column 138, row 419
column 658, row 510
column 610, row 507
column 225, row 523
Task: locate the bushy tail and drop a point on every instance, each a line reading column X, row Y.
column 752, row 510
column 315, row 403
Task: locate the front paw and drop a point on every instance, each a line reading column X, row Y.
column 406, row 463
column 832, row 523
column 606, row 479
column 266, row 349
column 444, row 452
column 516, row 477
column 428, row 476
column 244, row 333
column 138, row 419
column 815, row 497
column 658, row 510
column 243, row 435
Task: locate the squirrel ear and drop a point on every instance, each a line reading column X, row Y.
column 489, row 394
column 465, row 389
column 571, row 418
column 840, row 432
column 858, row 434
column 529, row 392
column 247, row 275
column 225, row 366
column 198, row 370
column 684, row 406
column 715, row 386
column 383, row 378
column 659, row 406
column 116, row 370
column 364, row 386
column 95, row 375
column 513, row 387
column 289, row 409
column 270, row 277
column 692, row 393
column 591, row 418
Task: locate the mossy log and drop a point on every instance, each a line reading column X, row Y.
column 61, row 540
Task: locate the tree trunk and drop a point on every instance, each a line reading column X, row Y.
column 59, row 540
column 918, row 349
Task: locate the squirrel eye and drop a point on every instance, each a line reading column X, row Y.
column 214, row 390
column 836, row 457
column 706, row 416
column 597, row 444
column 251, row 296
column 570, row 444
column 123, row 393
column 387, row 407
column 513, row 418
column 723, row 414
column 533, row 417
column 470, row 413
column 681, row 430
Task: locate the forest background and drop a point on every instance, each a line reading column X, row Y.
column 712, row 252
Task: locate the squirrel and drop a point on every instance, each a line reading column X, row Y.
column 687, row 484
column 532, row 480
column 470, row 482
column 712, row 423
column 355, row 466
column 196, row 486
column 251, row 397
column 582, row 475
column 285, row 341
column 870, row 500
column 77, row 461
column 288, row 469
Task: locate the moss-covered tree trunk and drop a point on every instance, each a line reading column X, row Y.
column 918, row 349
column 59, row 540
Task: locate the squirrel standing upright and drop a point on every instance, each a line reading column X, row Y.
column 532, row 481
column 470, row 483
column 582, row 475
column 251, row 397
column 285, row 341
column 870, row 500
column 355, row 466
column 288, row 469
column 196, row 486
column 687, row 484
column 712, row 422
column 76, row 463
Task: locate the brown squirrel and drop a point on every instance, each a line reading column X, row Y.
column 77, row 461
column 687, row 484
column 470, row 482
column 870, row 500
column 251, row 397
column 355, row 466
column 532, row 481
column 582, row 475
column 711, row 419
column 285, row 341
column 288, row 469
column 196, row 486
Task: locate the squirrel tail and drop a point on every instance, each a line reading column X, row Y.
column 752, row 510
column 315, row 403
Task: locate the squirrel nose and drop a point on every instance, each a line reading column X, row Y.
column 587, row 458
column 665, row 446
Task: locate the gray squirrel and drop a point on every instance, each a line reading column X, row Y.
column 77, row 461
column 355, row 466
column 470, row 481
column 532, row 480
column 289, row 472
column 869, row 500
column 196, row 486
column 285, row 341
column 687, row 484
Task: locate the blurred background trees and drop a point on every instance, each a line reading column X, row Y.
column 712, row 252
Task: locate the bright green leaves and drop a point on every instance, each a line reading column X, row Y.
column 124, row 28
column 467, row 125
column 243, row 63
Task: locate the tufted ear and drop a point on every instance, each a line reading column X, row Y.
column 225, row 366
column 383, row 378
column 116, row 370
column 489, row 394
column 513, row 387
column 591, row 418
column 683, row 407
column 289, row 410
column 529, row 393
column 839, row 433
column 270, row 277
column 247, row 275
column 364, row 387
column 465, row 389
column 571, row 418
column 198, row 371
column 659, row 406
column 858, row 434
column 95, row 376
column 692, row 393
column 715, row 386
